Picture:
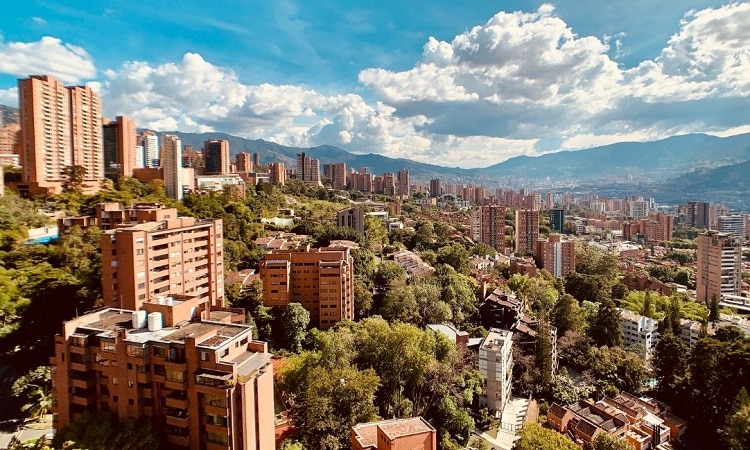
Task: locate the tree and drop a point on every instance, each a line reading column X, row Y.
column 606, row 441
column 294, row 321
column 736, row 431
column 543, row 355
column 669, row 364
column 72, row 179
column 648, row 306
column 456, row 256
column 376, row 236
column 713, row 314
column 362, row 299
column 606, row 329
column 536, row 437
column 567, row 315
column 102, row 431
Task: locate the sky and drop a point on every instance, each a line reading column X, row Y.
column 458, row 84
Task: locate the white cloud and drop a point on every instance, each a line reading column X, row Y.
column 49, row 55
column 522, row 83
column 9, row 97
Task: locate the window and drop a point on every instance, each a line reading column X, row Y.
column 139, row 252
column 215, row 400
column 176, row 376
column 160, row 352
column 204, row 356
column 108, row 346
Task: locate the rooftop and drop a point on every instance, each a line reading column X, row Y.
column 367, row 432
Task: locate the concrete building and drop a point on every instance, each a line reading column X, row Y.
column 119, row 147
column 734, row 225
column 488, row 226
column 496, row 367
column 308, row 170
column 718, row 268
column 556, row 256
column 403, row 186
column 353, row 217
column 150, row 149
column 322, row 280
column 217, row 183
column 557, row 220
column 171, row 162
column 699, row 215
column 244, row 162
column 639, row 331
column 638, row 209
column 10, row 145
column 435, row 190
column 277, row 173
column 201, row 380
column 361, row 181
column 691, row 331
column 162, row 254
column 527, row 230
column 394, row 434
column 61, row 127
column 216, row 157
column 336, row 172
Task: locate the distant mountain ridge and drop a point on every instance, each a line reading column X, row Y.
column 656, row 160
column 8, row 115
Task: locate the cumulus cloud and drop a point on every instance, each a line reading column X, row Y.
column 521, row 83
column 49, row 55
column 9, row 96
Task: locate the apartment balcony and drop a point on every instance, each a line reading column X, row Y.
column 175, row 384
column 80, row 367
column 182, row 441
column 177, row 401
column 217, row 429
column 177, row 419
column 83, row 399
column 216, row 380
column 82, row 383
column 147, row 392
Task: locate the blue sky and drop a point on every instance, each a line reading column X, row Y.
column 466, row 84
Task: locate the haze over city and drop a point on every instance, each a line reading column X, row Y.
column 463, row 84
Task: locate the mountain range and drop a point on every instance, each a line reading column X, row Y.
column 679, row 168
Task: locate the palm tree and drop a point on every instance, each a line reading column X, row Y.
column 41, row 406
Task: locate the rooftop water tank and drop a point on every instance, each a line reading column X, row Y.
column 154, row 321
column 139, row 319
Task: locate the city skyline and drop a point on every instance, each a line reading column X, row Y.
column 457, row 85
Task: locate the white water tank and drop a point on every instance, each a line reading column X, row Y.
column 154, row 321
column 139, row 319
column 170, row 301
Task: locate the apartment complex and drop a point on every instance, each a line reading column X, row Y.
column 200, row 378
column 216, row 157
column 322, row 280
column 556, row 256
column 657, row 228
column 61, row 127
column 718, row 269
column 353, row 217
column 244, row 162
column 162, row 254
column 496, row 367
column 119, row 147
column 277, row 173
column 642, row 422
column 557, row 220
column 10, row 145
column 734, row 225
column 395, row 434
column 639, row 331
column 488, row 226
column 403, row 186
column 527, row 230
column 336, row 172
column 308, row 170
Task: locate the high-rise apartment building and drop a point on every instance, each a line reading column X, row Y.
column 322, row 280
column 61, row 127
column 394, row 434
column 666, row 226
column 488, row 226
column 639, row 331
column 216, row 157
column 435, row 188
column 556, row 256
column 119, row 147
column 527, row 230
column 162, row 254
column 86, row 134
column 699, row 215
column 718, row 269
column 353, row 217
column 277, row 173
column 151, row 149
column 202, row 380
column 336, row 172
column 403, row 186
column 557, row 220
column 734, row 225
column 171, row 162
column 361, row 181
column 638, row 209
column 256, row 160
column 244, row 162
column 308, row 170
column 496, row 367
